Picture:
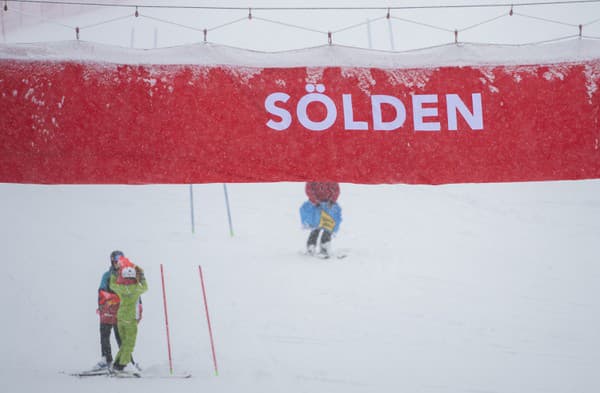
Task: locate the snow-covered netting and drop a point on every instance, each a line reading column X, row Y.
column 82, row 113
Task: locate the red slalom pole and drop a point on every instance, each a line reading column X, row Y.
column 212, row 343
column 162, row 277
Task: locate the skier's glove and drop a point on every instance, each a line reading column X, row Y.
column 139, row 274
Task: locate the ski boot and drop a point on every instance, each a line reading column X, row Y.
column 103, row 364
column 325, row 250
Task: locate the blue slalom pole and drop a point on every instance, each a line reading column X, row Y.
column 228, row 210
column 192, row 207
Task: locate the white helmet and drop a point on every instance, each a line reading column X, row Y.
column 128, row 272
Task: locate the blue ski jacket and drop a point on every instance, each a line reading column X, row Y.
column 311, row 215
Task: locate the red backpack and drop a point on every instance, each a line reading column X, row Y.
column 108, row 305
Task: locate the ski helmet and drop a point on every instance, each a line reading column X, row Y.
column 115, row 255
column 128, row 272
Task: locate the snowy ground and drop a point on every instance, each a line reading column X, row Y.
column 458, row 288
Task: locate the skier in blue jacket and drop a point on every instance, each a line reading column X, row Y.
column 322, row 215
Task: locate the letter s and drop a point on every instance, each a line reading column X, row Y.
column 286, row 117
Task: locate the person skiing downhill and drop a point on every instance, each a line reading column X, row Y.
column 129, row 283
column 322, row 215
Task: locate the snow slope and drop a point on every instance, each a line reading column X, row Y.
column 457, row 288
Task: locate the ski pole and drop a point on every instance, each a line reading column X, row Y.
column 212, row 343
column 162, row 277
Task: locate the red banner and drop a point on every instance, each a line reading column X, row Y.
column 88, row 122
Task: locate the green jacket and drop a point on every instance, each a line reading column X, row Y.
column 129, row 295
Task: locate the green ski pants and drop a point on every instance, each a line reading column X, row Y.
column 128, row 333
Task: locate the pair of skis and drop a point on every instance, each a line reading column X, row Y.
column 117, row 374
column 340, row 254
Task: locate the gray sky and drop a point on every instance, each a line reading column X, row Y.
column 275, row 30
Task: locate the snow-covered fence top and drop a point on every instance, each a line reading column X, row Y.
column 81, row 113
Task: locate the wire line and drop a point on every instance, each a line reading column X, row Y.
column 288, row 25
column 545, row 19
column 484, row 22
column 106, row 21
column 416, row 7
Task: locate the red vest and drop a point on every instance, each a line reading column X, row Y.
column 108, row 305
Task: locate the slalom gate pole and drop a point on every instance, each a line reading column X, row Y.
column 212, row 343
column 162, row 277
column 192, row 207
column 228, row 210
